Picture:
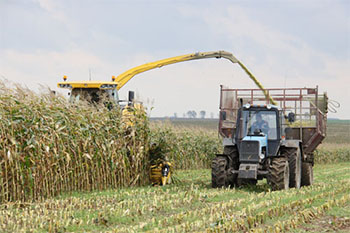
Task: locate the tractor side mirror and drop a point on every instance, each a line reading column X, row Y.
column 291, row 117
column 223, row 115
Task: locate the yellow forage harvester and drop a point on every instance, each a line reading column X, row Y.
column 160, row 173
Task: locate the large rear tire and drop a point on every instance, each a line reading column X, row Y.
column 294, row 160
column 307, row 177
column 278, row 176
column 218, row 172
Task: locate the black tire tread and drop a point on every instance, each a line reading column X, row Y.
column 276, row 173
column 218, row 172
column 294, row 177
column 232, row 153
column 306, row 174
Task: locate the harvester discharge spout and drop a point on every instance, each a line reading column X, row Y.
column 123, row 78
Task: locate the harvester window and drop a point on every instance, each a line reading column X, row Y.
column 94, row 95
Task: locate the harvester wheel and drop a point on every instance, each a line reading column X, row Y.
column 294, row 160
column 278, row 176
column 307, row 177
column 218, row 172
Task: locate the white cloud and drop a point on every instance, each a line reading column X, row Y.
column 53, row 9
column 276, row 57
column 48, row 68
column 281, row 55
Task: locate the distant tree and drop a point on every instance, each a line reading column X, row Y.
column 194, row 114
column 175, row 115
column 211, row 115
column 202, row 113
column 184, row 115
column 191, row 114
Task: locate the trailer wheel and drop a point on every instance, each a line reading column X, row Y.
column 278, row 176
column 307, row 177
column 218, row 172
column 294, row 160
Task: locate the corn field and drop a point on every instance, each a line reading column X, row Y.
column 48, row 147
column 332, row 153
column 188, row 148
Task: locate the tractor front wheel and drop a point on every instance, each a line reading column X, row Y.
column 278, row 176
column 218, row 172
column 233, row 164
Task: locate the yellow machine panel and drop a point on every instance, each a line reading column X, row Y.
column 88, row 84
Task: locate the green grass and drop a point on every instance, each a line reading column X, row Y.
column 189, row 205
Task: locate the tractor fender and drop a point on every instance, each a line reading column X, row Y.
column 303, row 156
column 291, row 143
column 228, row 142
column 295, row 144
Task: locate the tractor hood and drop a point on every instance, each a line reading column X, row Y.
column 252, row 148
column 261, row 139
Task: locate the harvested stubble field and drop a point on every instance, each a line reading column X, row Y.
column 191, row 205
column 71, row 168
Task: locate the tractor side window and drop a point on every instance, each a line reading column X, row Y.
column 270, row 118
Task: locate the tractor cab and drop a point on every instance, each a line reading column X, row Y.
column 258, row 132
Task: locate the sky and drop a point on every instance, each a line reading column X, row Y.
column 284, row 43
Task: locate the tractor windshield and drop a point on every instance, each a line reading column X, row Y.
column 257, row 122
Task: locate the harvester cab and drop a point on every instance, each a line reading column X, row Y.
column 96, row 92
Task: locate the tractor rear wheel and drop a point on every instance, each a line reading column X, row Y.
column 278, row 176
column 307, row 177
column 294, row 160
column 218, row 172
